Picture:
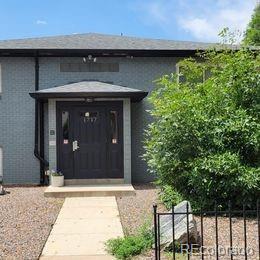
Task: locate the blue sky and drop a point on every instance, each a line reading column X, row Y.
column 196, row 20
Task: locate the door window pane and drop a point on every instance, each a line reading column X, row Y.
column 114, row 127
column 65, row 127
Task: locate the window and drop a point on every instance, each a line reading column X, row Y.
column 89, row 67
column 65, row 127
column 206, row 74
column 1, row 163
column 181, row 78
column 114, row 127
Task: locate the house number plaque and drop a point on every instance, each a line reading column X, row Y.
column 90, row 117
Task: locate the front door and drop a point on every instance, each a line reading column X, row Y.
column 90, row 140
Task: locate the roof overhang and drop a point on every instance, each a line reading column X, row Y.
column 96, row 53
column 90, row 89
column 103, row 45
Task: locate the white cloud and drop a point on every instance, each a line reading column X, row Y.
column 206, row 27
column 41, row 22
column 151, row 12
column 201, row 19
column 199, row 28
column 158, row 12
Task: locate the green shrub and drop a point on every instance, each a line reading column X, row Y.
column 252, row 34
column 169, row 196
column 125, row 248
column 204, row 141
column 218, row 176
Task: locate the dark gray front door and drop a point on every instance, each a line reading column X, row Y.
column 90, row 136
column 90, row 140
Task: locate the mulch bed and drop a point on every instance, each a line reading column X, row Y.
column 26, row 218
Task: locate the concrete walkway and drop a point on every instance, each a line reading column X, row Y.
column 83, row 225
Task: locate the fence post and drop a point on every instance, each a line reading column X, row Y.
column 216, row 226
column 159, row 237
column 155, row 231
column 258, row 223
column 188, row 229
column 230, row 230
column 173, row 232
column 201, row 231
column 245, row 238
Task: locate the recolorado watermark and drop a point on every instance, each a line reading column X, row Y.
column 196, row 250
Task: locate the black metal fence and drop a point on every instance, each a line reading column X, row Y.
column 198, row 250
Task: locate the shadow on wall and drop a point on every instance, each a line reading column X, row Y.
column 140, row 119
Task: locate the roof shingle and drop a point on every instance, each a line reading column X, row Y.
column 85, row 89
column 94, row 41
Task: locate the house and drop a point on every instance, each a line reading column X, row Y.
column 77, row 104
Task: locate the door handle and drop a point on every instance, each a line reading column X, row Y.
column 75, row 145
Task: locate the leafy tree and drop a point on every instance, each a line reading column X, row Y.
column 252, row 35
column 205, row 139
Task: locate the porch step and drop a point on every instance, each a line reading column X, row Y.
column 92, row 181
column 98, row 190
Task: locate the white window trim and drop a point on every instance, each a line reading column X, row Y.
column 178, row 73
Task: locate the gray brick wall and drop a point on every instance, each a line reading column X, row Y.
column 17, row 107
column 17, row 121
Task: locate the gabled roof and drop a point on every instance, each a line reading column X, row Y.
column 90, row 89
column 94, row 41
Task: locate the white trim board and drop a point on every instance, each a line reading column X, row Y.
column 126, row 132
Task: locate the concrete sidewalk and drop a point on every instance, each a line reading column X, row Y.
column 82, row 227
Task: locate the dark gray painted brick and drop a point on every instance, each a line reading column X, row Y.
column 17, row 107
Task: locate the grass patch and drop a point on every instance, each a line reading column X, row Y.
column 178, row 256
column 129, row 246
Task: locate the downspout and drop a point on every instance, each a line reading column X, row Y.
column 39, row 150
column 44, row 164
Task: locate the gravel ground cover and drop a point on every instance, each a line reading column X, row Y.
column 26, row 218
column 223, row 236
column 136, row 210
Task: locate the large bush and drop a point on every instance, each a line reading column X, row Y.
column 204, row 141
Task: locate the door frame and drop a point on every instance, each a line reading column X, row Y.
column 106, row 106
column 52, row 127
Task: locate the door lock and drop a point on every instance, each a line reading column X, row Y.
column 75, row 146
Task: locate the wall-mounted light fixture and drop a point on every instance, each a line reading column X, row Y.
column 89, row 100
column 89, row 58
